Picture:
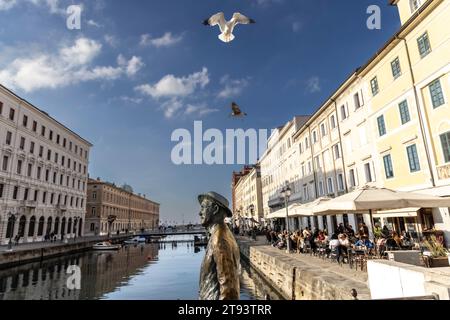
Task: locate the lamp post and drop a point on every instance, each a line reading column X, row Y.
column 11, row 216
column 285, row 194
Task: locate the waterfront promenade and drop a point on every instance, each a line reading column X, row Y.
column 303, row 277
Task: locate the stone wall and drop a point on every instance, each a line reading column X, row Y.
column 295, row 280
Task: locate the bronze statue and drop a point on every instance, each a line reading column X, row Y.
column 219, row 276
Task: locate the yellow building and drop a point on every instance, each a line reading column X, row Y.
column 388, row 125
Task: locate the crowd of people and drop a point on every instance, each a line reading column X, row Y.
column 338, row 243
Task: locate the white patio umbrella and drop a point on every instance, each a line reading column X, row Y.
column 306, row 209
column 370, row 198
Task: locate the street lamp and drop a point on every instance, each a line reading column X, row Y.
column 11, row 216
column 284, row 195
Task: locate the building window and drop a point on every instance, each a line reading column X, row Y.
column 58, row 137
column 8, row 138
column 64, row 142
column 330, row 186
column 32, row 147
column 357, row 101
column 34, row 126
column 396, row 70
column 368, row 172
column 337, row 151
column 1, row 108
column 374, row 86
column 341, row 182
column 321, row 191
column 43, row 131
column 22, row 143
column 323, row 129
column 344, row 114
column 94, row 211
column 15, row 192
column 19, row 166
column 306, row 143
column 413, row 158
column 445, row 141
column 424, row 45
column 30, row 169
column 2, row 187
column 94, row 195
column 314, row 136
column 404, row 112
column 49, row 154
column 12, row 113
column 352, row 178
column 381, row 126
column 5, row 163
column 50, row 136
column 25, row 121
column 41, row 151
column 38, row 174
column 333, row 121
column 388, row 169
column 414, row 5
column 437, row 96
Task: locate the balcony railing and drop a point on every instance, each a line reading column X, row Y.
column 28, row 204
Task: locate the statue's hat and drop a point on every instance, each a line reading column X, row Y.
column 217, row 198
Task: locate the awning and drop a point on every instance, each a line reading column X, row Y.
column 281, row 213
column 399, row 213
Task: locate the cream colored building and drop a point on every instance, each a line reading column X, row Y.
column 387, row 125
column 249, row 196
column 132, row 212
column 43, row 174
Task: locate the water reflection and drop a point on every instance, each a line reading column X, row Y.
column 156, row 271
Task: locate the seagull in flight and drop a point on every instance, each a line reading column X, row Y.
column 227, row 27
column 237, row 113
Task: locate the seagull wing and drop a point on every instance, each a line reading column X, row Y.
column 239, row 18
column 217, row 19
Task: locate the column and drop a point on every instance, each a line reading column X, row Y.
column 330, row 225
column 368, row 224
column 27, row 227
column 352, row 221
column 340, row 218
column 320, row 223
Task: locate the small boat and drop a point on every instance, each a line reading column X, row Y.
column 105, row 246
column 135, row 240
column 200, row 241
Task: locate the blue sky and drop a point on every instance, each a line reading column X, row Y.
column 137, row 70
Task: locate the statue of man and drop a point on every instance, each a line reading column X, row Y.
column 219, row 277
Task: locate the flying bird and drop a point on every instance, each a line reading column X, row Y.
column 236, row 111
column 227, row 27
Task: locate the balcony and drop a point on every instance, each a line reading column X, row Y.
column 444, row 172
column 30, row 204
column 61, row 207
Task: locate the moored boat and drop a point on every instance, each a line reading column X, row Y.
column 105, row 246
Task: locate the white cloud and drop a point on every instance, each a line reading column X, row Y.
column 232, row 87
column 111, row 40
column 171, row 86
column 93, row 24
column 165, row 41
column 265, row 3
column 313, row 85
column 69, row 65
column 7, row 4
column 131, row 99
column 171, row 107
column 134, row 65
column 200, row 110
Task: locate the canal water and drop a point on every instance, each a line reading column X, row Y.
column 155, row 271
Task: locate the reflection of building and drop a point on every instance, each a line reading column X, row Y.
column 133, row 212
column 387, row 125
column 43, row 173
column 248, row 196
column 101, row 273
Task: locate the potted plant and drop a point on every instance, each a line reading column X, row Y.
column 439, row 255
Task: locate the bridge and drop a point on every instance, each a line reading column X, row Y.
column 172, row 232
